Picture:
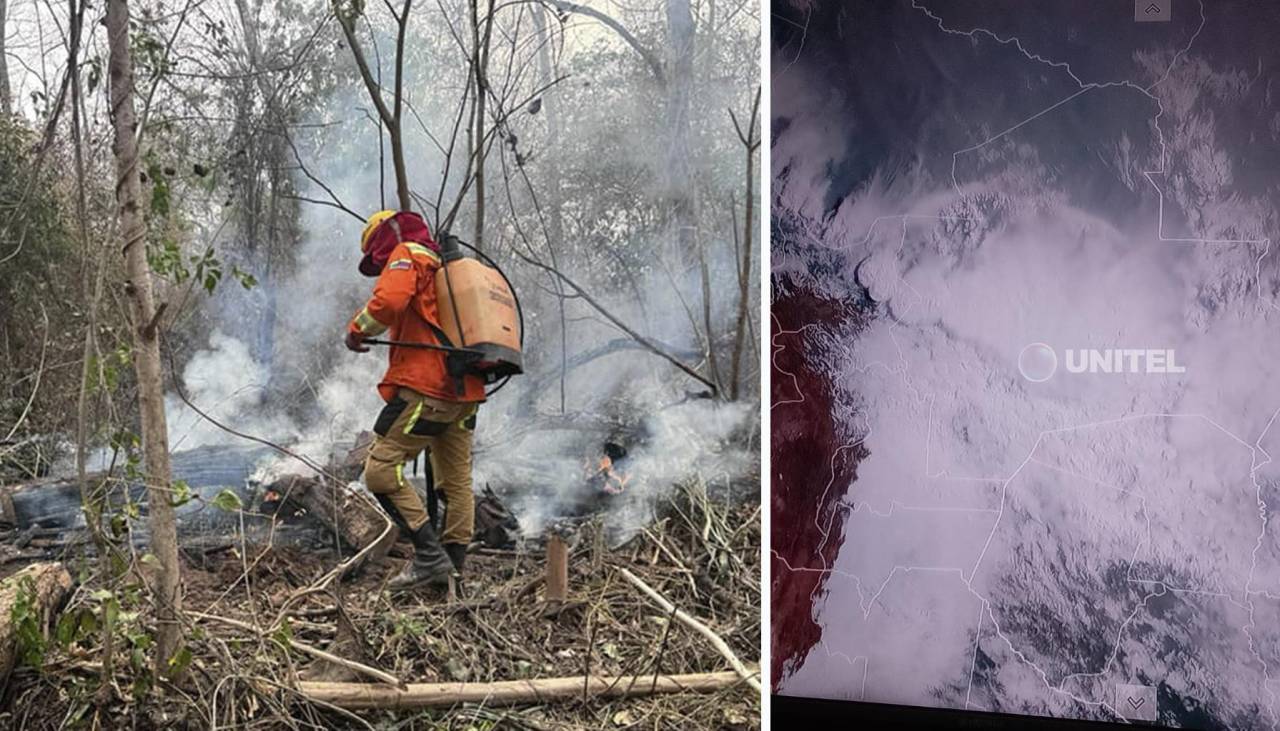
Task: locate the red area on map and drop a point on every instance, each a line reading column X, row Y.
column 806, row 458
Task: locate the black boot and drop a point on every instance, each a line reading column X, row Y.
column 430, row 564
column 457, row 553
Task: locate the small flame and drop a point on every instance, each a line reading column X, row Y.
column 611, row 481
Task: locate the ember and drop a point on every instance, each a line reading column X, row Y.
column 605, row 476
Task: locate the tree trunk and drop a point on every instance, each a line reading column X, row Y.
column 6, row 104
column 680, row 189
column 90, row 497
column 744, row 281
column 395, row 129
column 146, row 339
column 555, row 218
column 750, row 142
column 713, row 367
column 44, row 585
column 390, row 118
column 480, row 65
column 551, row 108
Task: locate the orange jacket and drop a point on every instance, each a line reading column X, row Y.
column 403, row 303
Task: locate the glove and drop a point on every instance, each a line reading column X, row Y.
column 355, row 342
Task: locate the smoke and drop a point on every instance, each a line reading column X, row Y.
column 309, row 393
column 228, row 385
column 669, row 439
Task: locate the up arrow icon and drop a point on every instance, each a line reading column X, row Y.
column 1151, row 11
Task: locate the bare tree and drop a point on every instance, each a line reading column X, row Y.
column 91, row 496
column 267, row 214
column 6, row 104
column 650, row 58
column 146, row 350
column 750, row 139
column 550, row 108
column 391, row 116
column 675, row 76
column 481, row 37
column 679, row 167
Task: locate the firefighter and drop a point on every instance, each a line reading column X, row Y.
column 427, row 407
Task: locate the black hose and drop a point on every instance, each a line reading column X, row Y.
column 421, row 346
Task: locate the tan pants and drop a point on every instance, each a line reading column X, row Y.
column 422, row 422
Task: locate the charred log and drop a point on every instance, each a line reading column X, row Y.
column 357, row 521
column 38, row 591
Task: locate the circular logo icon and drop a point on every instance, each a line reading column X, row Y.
column 1037, row 362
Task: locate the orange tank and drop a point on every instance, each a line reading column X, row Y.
column 478, row 311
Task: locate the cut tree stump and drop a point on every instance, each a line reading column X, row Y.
column 355, row 696
column 557, row 570
column 49, row 583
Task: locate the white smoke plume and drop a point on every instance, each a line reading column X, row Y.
column 314, row 396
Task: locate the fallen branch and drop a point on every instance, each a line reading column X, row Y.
column 716, row 640
column 645, row 342
column 316, row 652
column 510, row 692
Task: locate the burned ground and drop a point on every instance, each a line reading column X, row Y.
column 700, row 554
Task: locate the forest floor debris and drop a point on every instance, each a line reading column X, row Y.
column 255, row 633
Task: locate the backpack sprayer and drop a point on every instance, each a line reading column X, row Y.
column 481, row 324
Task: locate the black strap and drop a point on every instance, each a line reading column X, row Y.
column 433, row 498
column 455, row 364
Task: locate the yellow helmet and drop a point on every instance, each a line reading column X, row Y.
column 371, row 225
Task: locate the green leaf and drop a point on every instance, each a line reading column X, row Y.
column 110, row 611
column 284, row 634
column 25, row 619
column 180, row 661
column 159, row 193
column 65, row 631
column 75, row 626
column 89, row 624
column 227, row 500
column 247, row 280
column 181, row 493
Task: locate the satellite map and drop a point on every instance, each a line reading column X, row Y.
column 1025, row 335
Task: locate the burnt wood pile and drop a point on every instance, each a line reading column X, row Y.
column 42, row 517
